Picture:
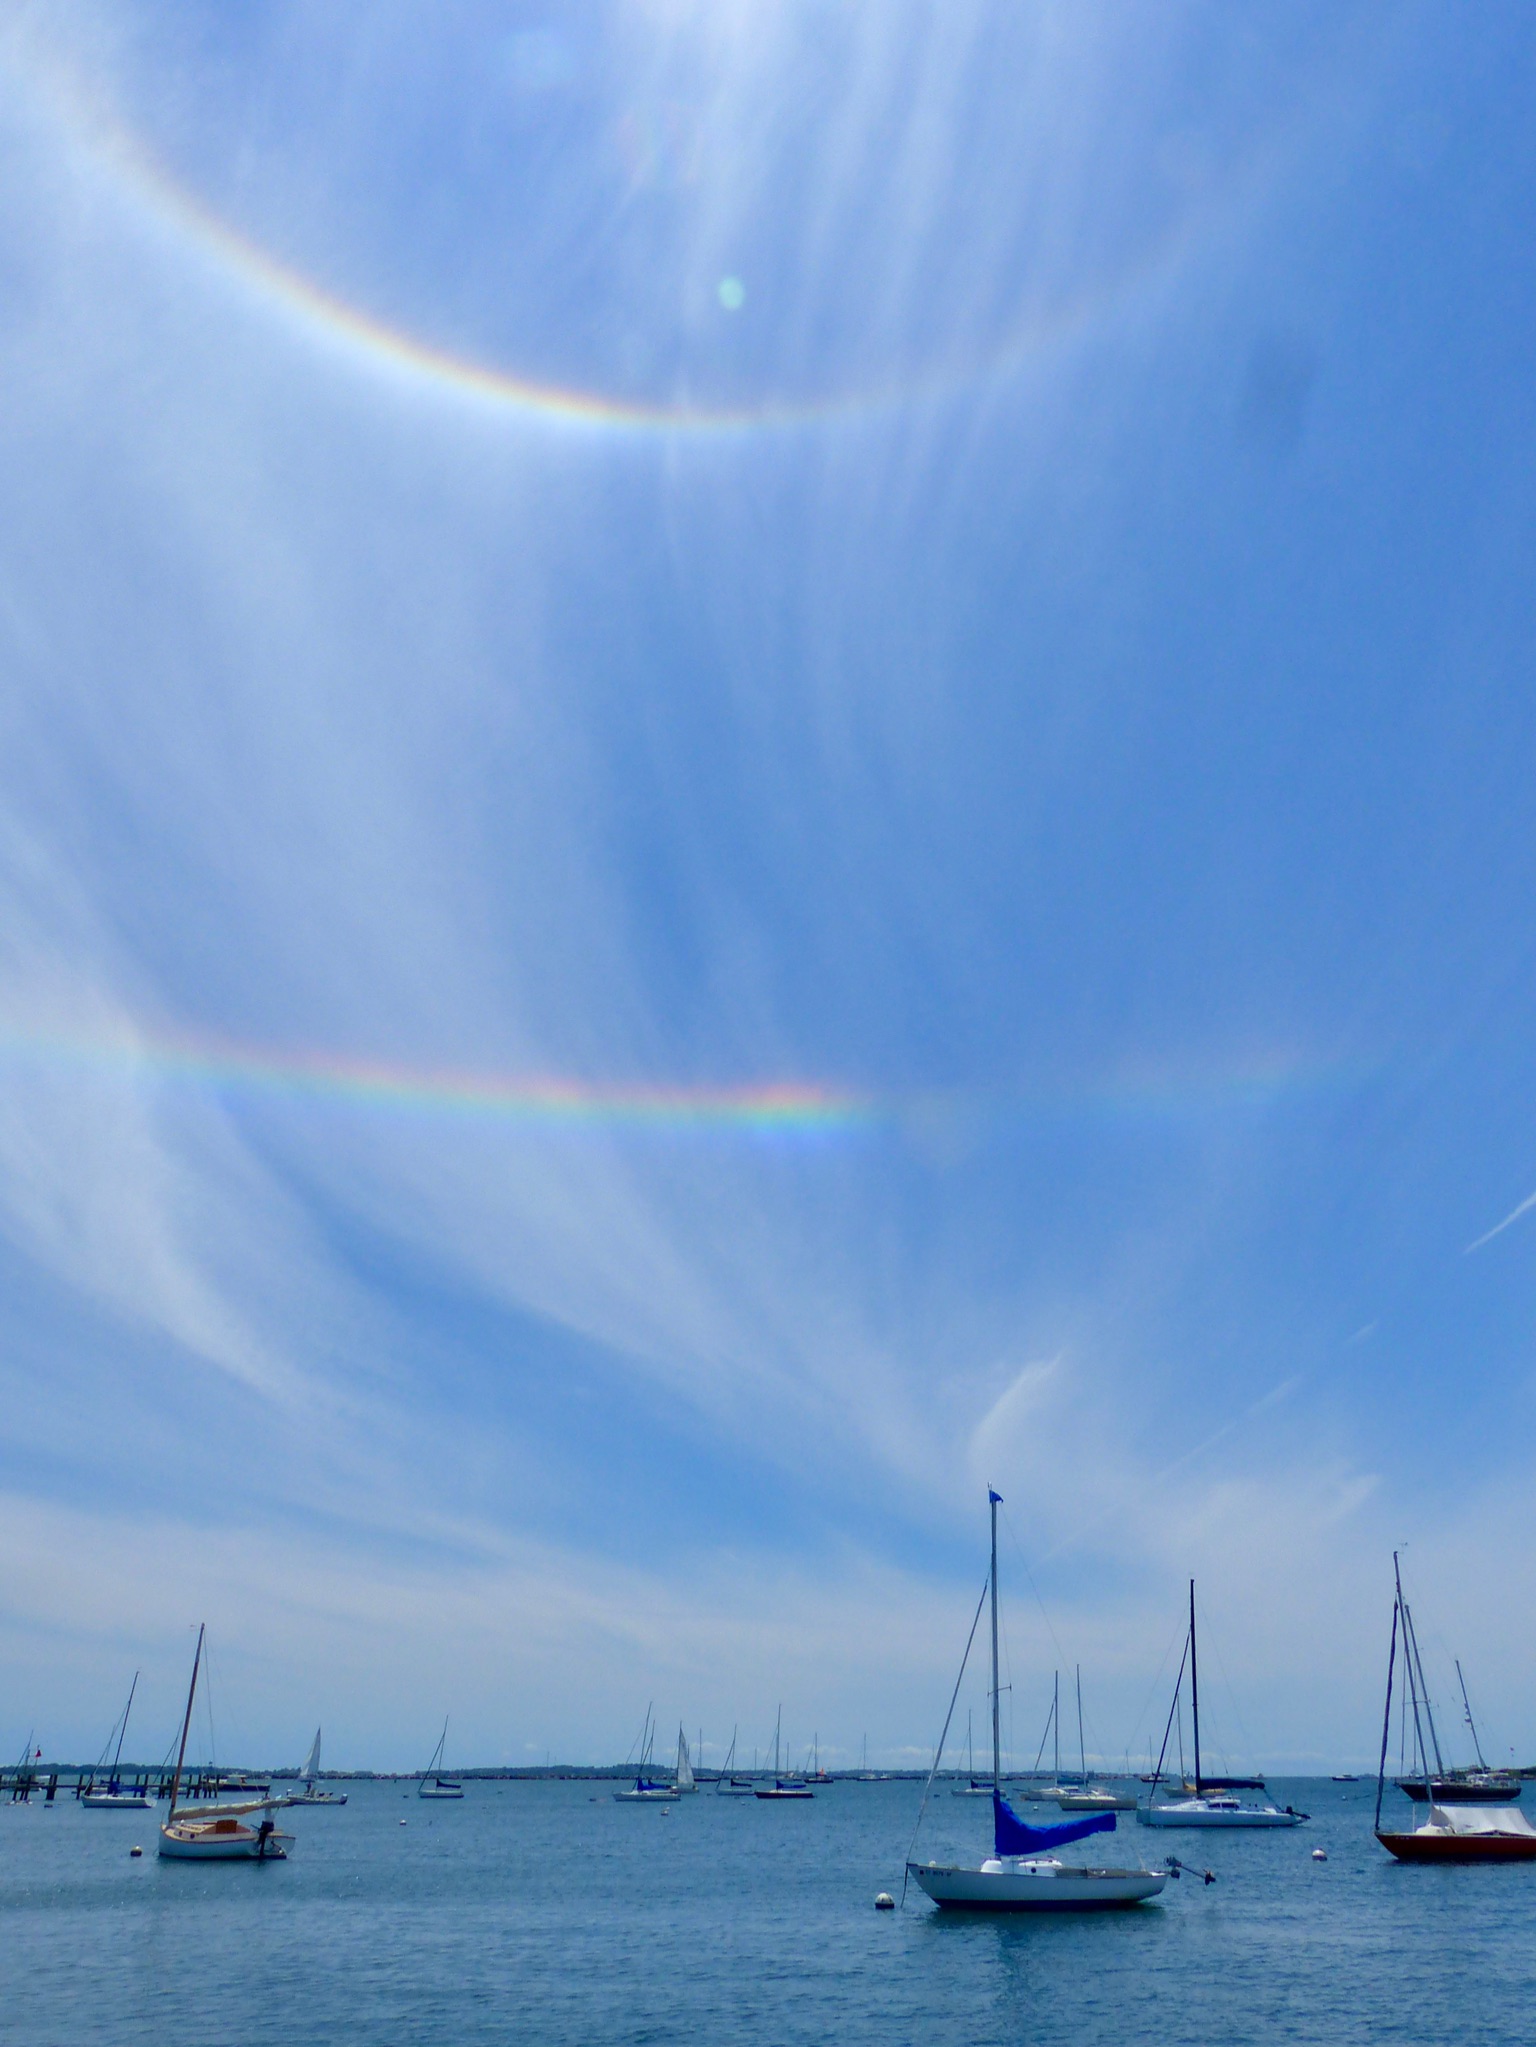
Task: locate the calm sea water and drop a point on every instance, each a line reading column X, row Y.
column 533, row 1912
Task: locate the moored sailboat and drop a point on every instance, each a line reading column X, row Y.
column 1453, row 1832
column 433, row 1783
column 112, row 1796
column 1208, row 1801
column 646, row 1790
column 218, row 1833
column 1024, row 1874
column 783, row 1786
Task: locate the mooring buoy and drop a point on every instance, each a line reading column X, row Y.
column 885, row 1902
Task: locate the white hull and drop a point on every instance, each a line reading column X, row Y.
column 1096, row 1801
column 1215, row 1812
column 221, row 1841
column 321, row 1798
column 1041, row 1884
column 736, row 1790
column 644, row 1797
column 117, row 1801
column 778, row 1793
column 439, row 1791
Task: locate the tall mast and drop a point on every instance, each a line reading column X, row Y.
column 1194, row 1685
column 776, row 1719
column 1416, row 1685
column 186, row 1725
column 1056, row 1721
column 994, row 1500
column 122, row 1731
column 1467, row 1708
column 1082, row 1753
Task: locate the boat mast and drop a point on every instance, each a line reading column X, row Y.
column 122, row 1731
column 1194, row 1685
column 995, row 1501
column 776, row 1720
column 1416, row 1685
column 1082, row 1753
column 186, row 1725
column 1056, row 1721
column 1467, row 1708
column 1386, row 1717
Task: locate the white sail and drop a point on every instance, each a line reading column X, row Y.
column 310, row 1769
column 684, row 1765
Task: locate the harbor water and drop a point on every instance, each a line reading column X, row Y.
column 544, row 1912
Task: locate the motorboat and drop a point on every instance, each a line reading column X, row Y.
column 218, row 1833
column 1206, row 1801
column 1024, row 1873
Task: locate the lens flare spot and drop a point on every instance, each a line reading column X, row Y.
column 732, row 294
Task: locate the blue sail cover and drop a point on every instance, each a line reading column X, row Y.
column 1012, row 1837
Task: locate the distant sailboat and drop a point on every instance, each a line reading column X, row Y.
column 309, row 1774
column 111, row 1797
column 647, row 1790
column 433, row 1783
column 782, row 1787
column 1024, row 1874
column 218, row 1833
column 728, row 1784
column 1084, row 1795
column 970, row 1788
column 1210, row 1801
column 685, row 1778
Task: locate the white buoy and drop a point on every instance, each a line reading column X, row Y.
column 135, row 1851
column 1319, row 1854
column 885, row 1902
column 402, row 1823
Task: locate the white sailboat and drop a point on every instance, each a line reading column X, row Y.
column 1208, row 1801
column 1024, row 1874
column 309, row 1773
column 685, row 1780
column 1085, row 1795
column 111, row 1797
column 970, row 1788
column 433, row 1783
column 218, row 1833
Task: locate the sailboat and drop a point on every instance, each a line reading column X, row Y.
column 111, row 1797
column 782, row 1786
column 647, row 1790
column 1208, row 1801
column 684, row 1780
column 1024, row 1874
column 433, row 1783
column 1453, row 1832
column 309, row 1772
column 218, row 1833
column 728, row 1784
column 1440, row 1785
column 970, row 1788
column 1085, row 1796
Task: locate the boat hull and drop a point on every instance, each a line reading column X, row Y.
column 1461, row 1790
column 643, row 1797
column 439, row 1791
column 116, row 1801
column 221, row 1841
column 1190, row 1814
column 1424, row 1845
column 1035, row 1886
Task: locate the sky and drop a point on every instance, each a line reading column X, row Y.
column 759, row 762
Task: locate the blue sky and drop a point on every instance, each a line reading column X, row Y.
column 976, row 563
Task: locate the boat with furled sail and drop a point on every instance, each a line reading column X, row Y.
column 433, row 1783
column 1207, row 1801
column 1024, row 1873
column 218, row 1833
column 646, row 1790
column 113, row 1796
column 728, row 1784
column 1453, row 1832
column 783, row 1786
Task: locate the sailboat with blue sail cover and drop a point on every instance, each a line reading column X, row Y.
column 1024, row 1873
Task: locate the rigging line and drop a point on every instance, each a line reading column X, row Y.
column 939, row 1751
column 1061, row 1654
column 1214, row 1647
